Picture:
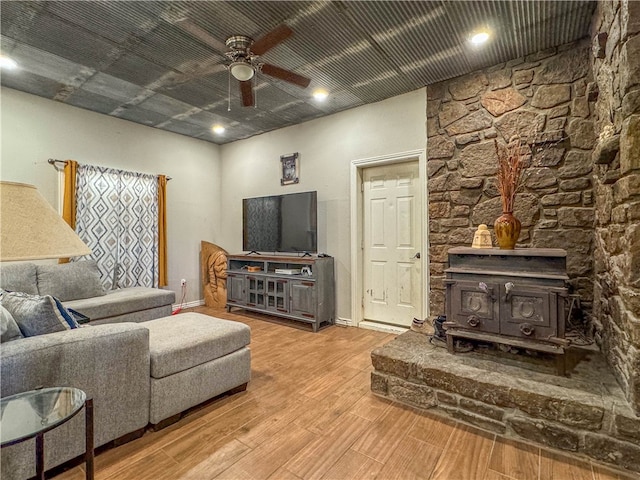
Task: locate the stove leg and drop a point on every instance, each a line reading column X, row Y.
column 450, row 346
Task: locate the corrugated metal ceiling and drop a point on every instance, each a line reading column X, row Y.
column 122, row 58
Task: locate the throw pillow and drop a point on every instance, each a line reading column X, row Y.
column 70, row 281
column 36, row 315
column 19, row 277
column 8, row 327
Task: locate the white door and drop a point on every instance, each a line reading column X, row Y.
column 392, row 291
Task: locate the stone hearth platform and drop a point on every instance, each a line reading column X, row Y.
column 515, row 395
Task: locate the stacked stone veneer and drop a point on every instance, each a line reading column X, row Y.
column 542, row 97
column 588, row 415
column 616, row 70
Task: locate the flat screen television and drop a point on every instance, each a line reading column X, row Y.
column 281, row 223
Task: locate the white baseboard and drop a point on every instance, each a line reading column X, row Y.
column 344, row 322
column 381, row 327
column 195, row 303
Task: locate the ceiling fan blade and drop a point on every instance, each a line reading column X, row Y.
column 286, row 75
column 201, row 34
column 271, row 39
column 246, row 89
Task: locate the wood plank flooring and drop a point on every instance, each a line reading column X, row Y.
column 308, row 413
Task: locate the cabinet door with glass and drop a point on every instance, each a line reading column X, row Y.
column 277, row 295
column 255, row 291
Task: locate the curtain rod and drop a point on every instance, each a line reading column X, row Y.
column 53, row 161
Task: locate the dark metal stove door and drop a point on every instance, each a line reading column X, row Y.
column 526, row 312
column 472, row 306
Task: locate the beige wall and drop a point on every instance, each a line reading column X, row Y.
column 209, row 182
column 34, row 129
column 326, row 146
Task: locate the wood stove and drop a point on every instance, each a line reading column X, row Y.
column 511, row 297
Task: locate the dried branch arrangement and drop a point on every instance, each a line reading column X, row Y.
column 511, row 163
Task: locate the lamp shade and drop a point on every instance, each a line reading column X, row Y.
column 30, row 229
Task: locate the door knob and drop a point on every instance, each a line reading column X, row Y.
column 417, row 255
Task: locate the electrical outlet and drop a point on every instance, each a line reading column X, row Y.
column 183, row 282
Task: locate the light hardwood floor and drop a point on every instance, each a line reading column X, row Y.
column 308, row 413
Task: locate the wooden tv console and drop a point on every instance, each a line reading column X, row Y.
column 272, row 285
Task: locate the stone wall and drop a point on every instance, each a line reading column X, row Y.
column 545, row 98
column 616, row 71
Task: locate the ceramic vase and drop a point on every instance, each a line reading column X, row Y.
column 507, row 228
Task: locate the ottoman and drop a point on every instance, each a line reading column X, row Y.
column 194, row 358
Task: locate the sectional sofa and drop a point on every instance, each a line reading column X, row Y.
column 142, row 366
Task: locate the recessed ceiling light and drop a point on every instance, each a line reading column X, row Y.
column 320, row 94
column 217, row 129
column 8, row 63
column 480, row 37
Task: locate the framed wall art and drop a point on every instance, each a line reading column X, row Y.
column 290, row 169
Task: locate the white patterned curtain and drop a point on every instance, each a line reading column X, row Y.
column 117, row 217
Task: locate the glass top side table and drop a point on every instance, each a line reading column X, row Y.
column 31, row 414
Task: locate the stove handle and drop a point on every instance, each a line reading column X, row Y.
column 507, row 288
column 527, row 329
column 488, row 291
column 473, row 321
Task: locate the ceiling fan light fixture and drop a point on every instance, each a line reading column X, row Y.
column 242, row 71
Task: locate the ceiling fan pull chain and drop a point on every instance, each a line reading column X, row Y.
column 255, row 90
column 229, row 90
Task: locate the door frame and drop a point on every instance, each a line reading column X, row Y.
column 357, row 214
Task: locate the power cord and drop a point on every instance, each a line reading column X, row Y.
column 184, row 294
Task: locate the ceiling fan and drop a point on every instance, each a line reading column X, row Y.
column 244, row 56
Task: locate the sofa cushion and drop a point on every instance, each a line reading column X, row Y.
column 180, row 342
column 122, row 301
column 19, row 277
column 8, row 327
column 37, row 315
column 70, row 281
